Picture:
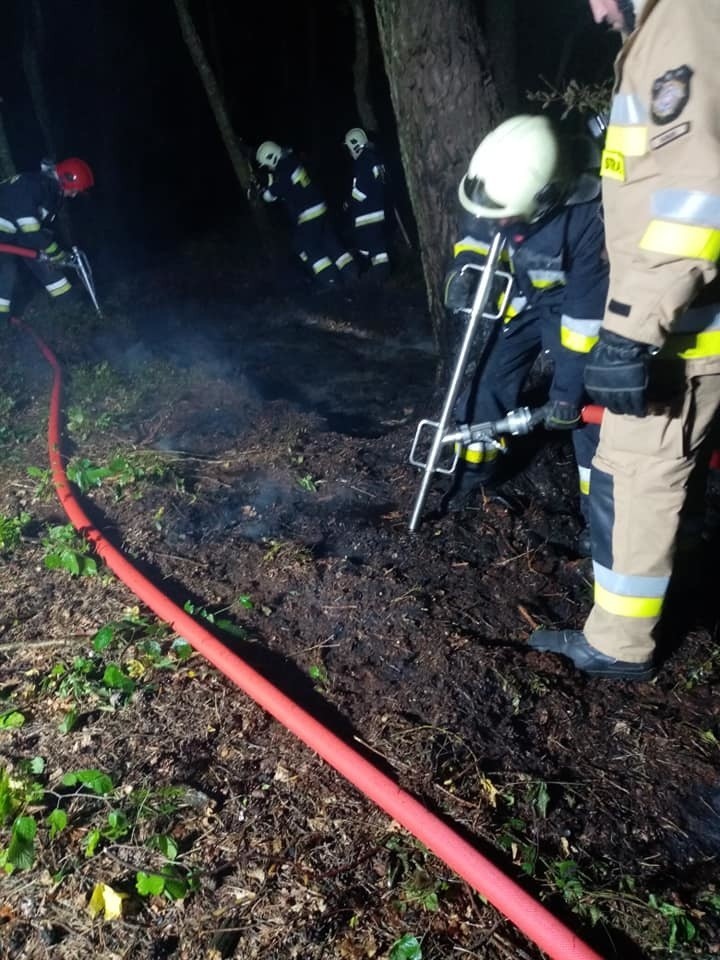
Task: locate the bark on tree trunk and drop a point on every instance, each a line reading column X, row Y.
column 444, row 101
column 361, row 66
column 7, row 164
column 501, row 28
column 32, row 50
column 233, row 145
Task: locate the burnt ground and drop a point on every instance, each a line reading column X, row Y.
column 255, row 443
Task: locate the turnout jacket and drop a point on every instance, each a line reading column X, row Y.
column 560, row 275
column 290, row 182
column 661, row 183
column 28, row 204
column 368, row 188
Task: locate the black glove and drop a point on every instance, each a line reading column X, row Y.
column 561, row 415
column 458, row 289
column 616, row 374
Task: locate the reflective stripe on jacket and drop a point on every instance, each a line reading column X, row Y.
column 661, row 182
column 560, row 265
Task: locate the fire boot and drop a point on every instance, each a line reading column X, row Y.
column 573, row 645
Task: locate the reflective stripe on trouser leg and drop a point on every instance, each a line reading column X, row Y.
column 585, row 441
column 639, row 482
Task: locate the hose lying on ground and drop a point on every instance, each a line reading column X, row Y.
column 528, row 915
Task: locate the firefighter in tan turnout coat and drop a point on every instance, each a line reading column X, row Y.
column 656, row 367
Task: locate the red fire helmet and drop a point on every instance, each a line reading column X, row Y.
column 74, row 175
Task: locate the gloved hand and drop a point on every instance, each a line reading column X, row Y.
column 458, row 289
column 54, row 255
column 561, row 415
column 616, row 374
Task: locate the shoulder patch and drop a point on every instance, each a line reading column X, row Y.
column 670, row 94
column 667, row 136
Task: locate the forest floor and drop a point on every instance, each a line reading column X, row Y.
column 246, row 446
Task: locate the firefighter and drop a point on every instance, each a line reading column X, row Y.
column 314, row 239
column 656, row 367
column 367, row 204
column 555, row 252
column 29, row 203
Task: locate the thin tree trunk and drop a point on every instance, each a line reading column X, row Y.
column 361, row 63
column 444, row 101
column 7, row 164
column 32, row 51
column 501, row 28
column 238, row 156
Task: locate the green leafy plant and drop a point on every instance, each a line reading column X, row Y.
column 319, row 676
column 120, row 471
column 66, row 550
column 681, row 929
column 408, row 873
column 406, row 948
column 222, row 623
column 307, row 483
column 11, row 530
column 43, row 482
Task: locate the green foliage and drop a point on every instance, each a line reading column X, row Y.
column 409, row 875
column 11, row 719
column 94, row 780
column 11, row 530
column 575, row 97
column 681, row 929
column 307, row 483
column 44, row 484
column 406, row 948
column 66, row 550
column 222, row 623
column 120, row 472
column 81, row 424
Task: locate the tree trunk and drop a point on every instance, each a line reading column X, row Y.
column 501, row 29
column 445, row 102
column 233, row 145
column 361, row 62
column 32, row 51
column 7, row 164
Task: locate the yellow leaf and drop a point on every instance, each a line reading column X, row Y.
column 135, row 669
column 104, row 898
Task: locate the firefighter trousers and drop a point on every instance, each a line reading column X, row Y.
column 496, row 388
column 641, row 475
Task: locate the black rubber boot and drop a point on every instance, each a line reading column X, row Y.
column 573, row 645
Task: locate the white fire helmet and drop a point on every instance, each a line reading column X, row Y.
column 514, row 171
column 356, row 140
column 268, row 154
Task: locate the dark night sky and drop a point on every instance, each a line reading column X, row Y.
column 123, row 93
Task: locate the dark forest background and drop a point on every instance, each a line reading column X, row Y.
column 122, row 92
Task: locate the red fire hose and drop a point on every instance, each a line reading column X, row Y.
column 528, row 915
column 19, row 251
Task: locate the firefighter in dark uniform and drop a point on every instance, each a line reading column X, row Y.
column 367, row 204
column 314, row 239
column 29, row 203
column 555, row 253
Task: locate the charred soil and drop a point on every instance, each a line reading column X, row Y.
column 250, row 455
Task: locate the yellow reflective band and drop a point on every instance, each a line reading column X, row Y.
column 627, row 606
column 681, row 240
column 577, row 342
column 584, row 487
column 692, row 346
column 626, row 141
column 464, row 246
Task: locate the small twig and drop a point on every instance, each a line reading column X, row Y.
column 527, row 617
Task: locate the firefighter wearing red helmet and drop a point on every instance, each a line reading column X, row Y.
column 29, row 203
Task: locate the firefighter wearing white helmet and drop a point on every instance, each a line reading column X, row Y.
column 514, row 171
column 656, row 367
column 516, row 182
column 367, row 205
column 313, row 236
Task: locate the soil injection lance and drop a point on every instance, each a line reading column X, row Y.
column 491, row 278
column 76, row 260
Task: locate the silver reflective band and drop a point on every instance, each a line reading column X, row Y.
column 628, row 110
column 626, row 585
column 687, row 206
